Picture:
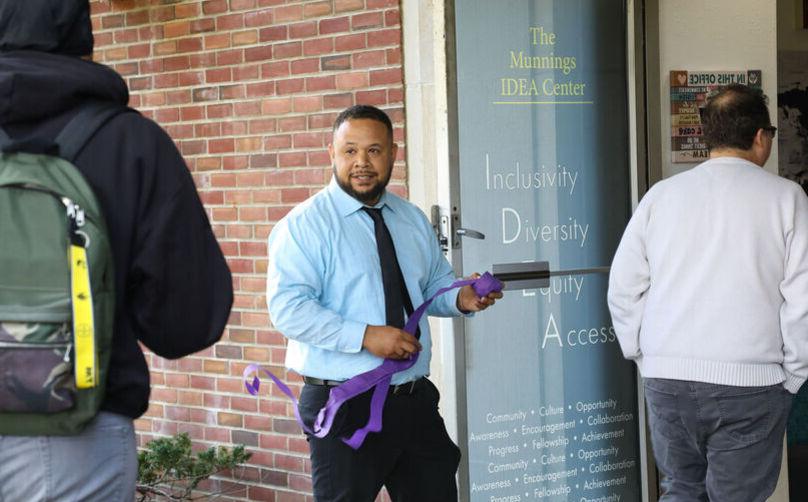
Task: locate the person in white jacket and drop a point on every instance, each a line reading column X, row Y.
column 708, row 293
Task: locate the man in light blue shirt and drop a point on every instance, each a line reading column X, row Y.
column 325, row 294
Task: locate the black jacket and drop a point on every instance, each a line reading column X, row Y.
column 173, row 286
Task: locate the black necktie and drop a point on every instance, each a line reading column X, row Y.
column 396, row 298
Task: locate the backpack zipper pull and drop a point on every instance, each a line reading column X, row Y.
column 74, row 212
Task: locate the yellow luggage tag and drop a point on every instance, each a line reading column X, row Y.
column 83, row 323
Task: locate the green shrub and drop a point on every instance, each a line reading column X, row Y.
column 169, row 469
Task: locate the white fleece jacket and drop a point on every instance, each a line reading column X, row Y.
column 710, row 281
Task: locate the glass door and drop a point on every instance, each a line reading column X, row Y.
column 544, row 174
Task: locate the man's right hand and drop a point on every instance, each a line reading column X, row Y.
column 389, row 342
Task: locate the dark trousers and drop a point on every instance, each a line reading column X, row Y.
column 716, row 442
column 412, row 456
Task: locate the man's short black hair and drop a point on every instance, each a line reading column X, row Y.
column 364, row 112
column 733, row 117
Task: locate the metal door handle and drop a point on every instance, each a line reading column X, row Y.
column 467, row 232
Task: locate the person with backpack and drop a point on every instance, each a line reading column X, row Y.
column 104, row 244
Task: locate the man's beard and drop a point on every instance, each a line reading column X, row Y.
column 364, row 197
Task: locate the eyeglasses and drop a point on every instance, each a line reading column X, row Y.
column 771, row 130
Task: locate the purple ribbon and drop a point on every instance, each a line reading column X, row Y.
column 378, row 377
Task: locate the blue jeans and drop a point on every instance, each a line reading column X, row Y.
column 716, row 442
column 100, row 464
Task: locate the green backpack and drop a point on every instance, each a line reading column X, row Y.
column 56, row 285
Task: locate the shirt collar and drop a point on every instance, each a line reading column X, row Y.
column 346, row 204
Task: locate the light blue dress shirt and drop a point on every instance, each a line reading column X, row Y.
column 324, row 282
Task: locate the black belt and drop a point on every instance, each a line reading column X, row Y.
column 401, row 389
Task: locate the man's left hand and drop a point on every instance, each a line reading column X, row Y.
column 468, row 301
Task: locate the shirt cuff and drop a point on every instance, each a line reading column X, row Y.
column 793, row 383
column 351, row 336
column 456, row 311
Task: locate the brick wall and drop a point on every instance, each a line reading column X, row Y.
column 248, row 90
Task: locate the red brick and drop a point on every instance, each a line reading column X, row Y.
column 176, row 63
column 219, row 111
column 246, row 72
column 278, row 141
column 217, row 41
column 288, row 50
column 395, row 95
column 229, row 57
column 322, row 120
column 382, row 77
column 376, row 98
column 218, row 75
column 384, row 37
column 231, row 92
column 262, row 126
column 309, row 177
column 319, row 159
column 192, row 113
column 187, row 10
column 346, row 5
column 207, row 129
column 306, row 104
column 352, row 80
column 318, row 46
column 277, row 106
column 302, row 30
column 139, row 84
column 350, row 42
column 314, row 84
column 258, row 53
column 162, row 14
column 394, row 56
column 202, row 60
column 242, row 4
column 334, row 25
column 139, row 51
column 259, row 493
column 214, row 6
column 189, row 44
column 392, row 17
column 203, row 25
column 264, row 161
column 275, row 69
column 192, row 147
column 112, row 21
column 290, row 85
column 273, row 33
column 260, row 89
column 230, row 22
column 176, row 29
column 258, row 18
column 221, row 145
column 121, row 37
column 234, row 162
column 367, row 20
column 311, row 65
column 165, row 116
column 368, row 59
column 292, row 159
column 164, row 48
column 288, row 13
column 245, row 37
column 292, row 124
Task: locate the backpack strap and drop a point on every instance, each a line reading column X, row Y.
column 78, row 131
